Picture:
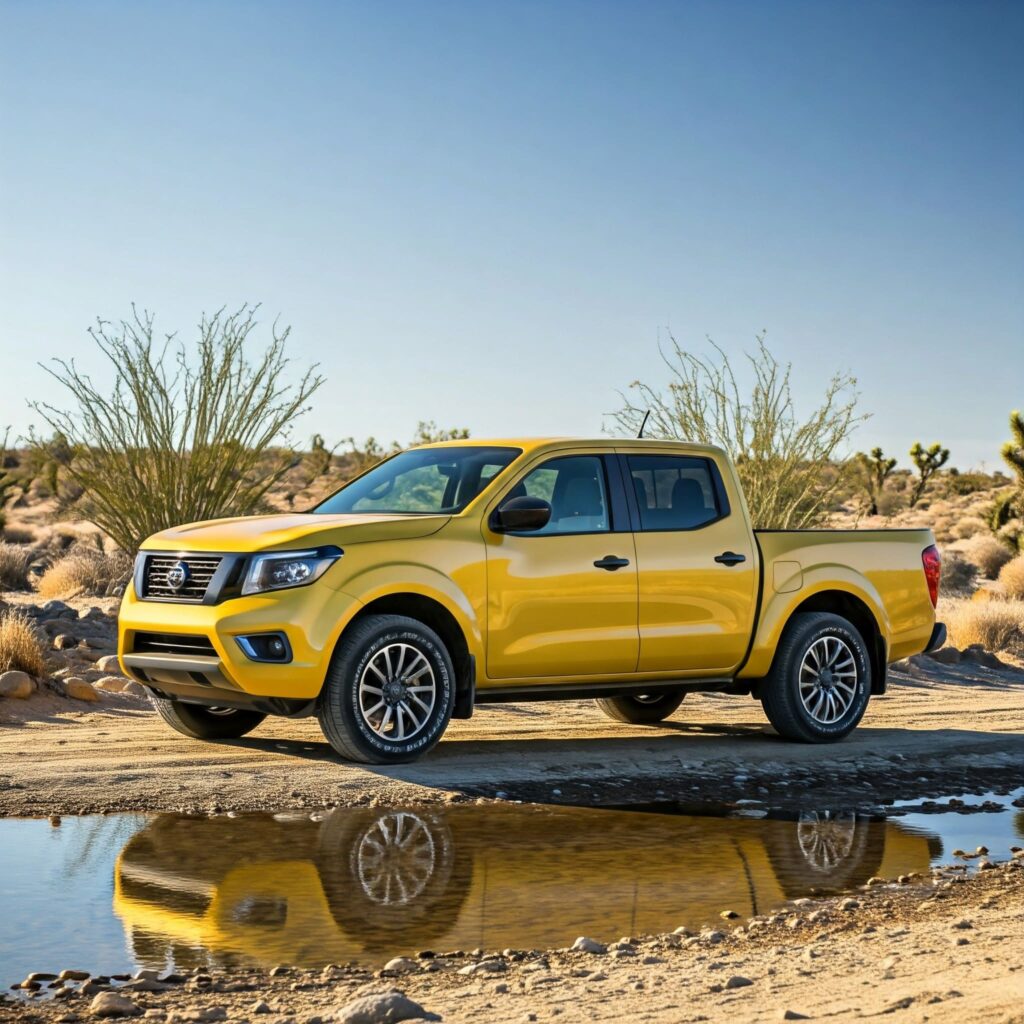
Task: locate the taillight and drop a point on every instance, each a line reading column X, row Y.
column 932, row 562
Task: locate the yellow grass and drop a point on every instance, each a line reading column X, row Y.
column 997, row 625
column 20, row 645
column 987, row 553
column 1011, row 579
column 82, row 571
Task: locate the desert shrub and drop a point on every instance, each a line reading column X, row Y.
column 18, row 535
column 181, row 434
column 987, row 554
column 84, row 570
column 21, row 646
column 968, row 527
column 959, row 577
column 968, row 483
column 15, row 560
column 1011, row 578
column 787, row 465
column 996, row 625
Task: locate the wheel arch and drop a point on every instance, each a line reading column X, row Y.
column 436, row 616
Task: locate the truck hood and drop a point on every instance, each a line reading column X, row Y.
column 290, row 531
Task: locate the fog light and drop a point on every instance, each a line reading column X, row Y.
column 265, row 647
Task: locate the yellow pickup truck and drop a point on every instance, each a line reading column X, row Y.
column 514, row 570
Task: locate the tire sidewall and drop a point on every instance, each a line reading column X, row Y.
column 353, row 669
column 853, row 715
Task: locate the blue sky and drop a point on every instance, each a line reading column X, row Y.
column 486, row 213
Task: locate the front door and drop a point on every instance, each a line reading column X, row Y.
column 697, row 566
column 551, row 611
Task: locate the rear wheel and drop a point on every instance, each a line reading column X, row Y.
column 643, row 709
column 818, row 687
column 202, row 723
column 389, row 693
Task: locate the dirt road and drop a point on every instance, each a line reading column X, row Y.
column 939, row 727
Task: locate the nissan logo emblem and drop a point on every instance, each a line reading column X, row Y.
column 177, row 576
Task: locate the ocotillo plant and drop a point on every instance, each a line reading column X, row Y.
column 928, row 461
column 877, row 469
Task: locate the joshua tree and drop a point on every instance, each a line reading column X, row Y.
column 1013, row 451
column 877, row 469
column 928, row 461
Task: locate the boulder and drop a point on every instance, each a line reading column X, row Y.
column 16, row 685
column 79, row 689
column 64, row 641
column 109, row 663
column 382, row 1008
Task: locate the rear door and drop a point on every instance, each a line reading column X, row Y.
column 697, row 567
column 552, row 610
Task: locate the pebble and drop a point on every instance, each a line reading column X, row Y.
column 738, row 981
column 792, row 1015
column 259, row 1007
column 401, row 965
column 849, row 904
column 587, row 945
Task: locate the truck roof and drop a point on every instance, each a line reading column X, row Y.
column 533, row 444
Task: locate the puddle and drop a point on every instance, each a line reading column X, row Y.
column 110, row 894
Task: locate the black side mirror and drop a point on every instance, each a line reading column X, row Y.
column 523, row 513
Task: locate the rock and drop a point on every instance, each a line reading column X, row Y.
column 977, row 654
column 79, row 689
column 109, row 663
column 71, row 975
column 945, row 656
column 849, row 904
column 484, row 967
column 792, row 1015
column 401, row 965
column 259, row 1007
column 728, row 915
column 738, row 981
column 56, row 610
column 587, row 945
column 985, row 865
column 111, row 1004
column 713, row 937
column 382, row 1008
column 115, row 684
column 962, row 924
column 64, row 642
column 16, row 685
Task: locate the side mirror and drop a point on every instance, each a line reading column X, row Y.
column 518, row 514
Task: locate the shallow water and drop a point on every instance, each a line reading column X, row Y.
column 113, row 893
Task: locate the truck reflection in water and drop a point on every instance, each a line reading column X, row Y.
column 369, row 883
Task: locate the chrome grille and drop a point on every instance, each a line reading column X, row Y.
column 172, row 643
column 200, row 572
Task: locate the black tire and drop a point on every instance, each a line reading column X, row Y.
column 201, row 723
column 339, row 710
column 781, row 689
column 643, row 709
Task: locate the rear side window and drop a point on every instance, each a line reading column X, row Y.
column 673, row 492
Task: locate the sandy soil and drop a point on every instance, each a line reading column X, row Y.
column 944, row 949
column 939, row 726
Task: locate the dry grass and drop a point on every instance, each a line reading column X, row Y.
column 987, row 553
column 21, row 647
column 969, row 526
column 84, row 570
column 18, row 535
column 14, row 562
column 959, row 577
column 997, row 625
column 1011, row 579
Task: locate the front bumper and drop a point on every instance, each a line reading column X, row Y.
column 310, row 617
column 938, row 637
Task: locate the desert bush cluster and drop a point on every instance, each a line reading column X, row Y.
column 996, row 625
column 85, row 570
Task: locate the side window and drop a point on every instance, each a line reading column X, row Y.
column 575, row 488
column 674, row 492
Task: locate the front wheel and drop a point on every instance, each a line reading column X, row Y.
column 389, row 693
column 818, row 687
column 203, row 723
column 644, row 709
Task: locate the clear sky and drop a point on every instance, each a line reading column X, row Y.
column 485, row 213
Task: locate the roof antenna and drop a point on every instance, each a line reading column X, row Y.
column 640, row 432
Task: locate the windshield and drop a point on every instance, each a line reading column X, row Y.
column 423, row 481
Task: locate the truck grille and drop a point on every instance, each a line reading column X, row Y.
column 172, row 643
column 199, row 573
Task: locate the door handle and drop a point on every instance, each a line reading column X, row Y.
column 611, row 563
column 730, row 558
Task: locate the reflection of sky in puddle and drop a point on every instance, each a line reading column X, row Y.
column 110, row 893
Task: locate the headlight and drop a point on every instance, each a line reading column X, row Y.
column 280, row 570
